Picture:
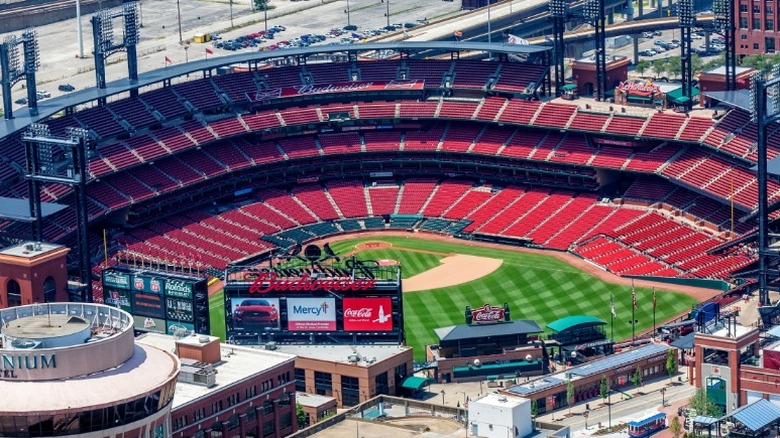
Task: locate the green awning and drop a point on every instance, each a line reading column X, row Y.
column 576, row 321
column 569, row 87
column 675, row 96
column 414, row 383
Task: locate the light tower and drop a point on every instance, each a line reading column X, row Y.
column 594, row 14
column 558, row 12
column 14, row 71
column 105, row 46
column 765, row 111
column 687, row 21
column 724, row 22
column 72, row 171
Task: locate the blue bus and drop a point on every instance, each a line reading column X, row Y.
column 647, row 425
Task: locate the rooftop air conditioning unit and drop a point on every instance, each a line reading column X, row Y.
column 270, row 345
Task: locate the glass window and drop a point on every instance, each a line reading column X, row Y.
column 756, row 24
column 756, row 9
column 350, row 391
column 755, row 46
column 743, row 22
column 323, row 383
column 380, row 381
column 742, row 8
column 769, row 45
column 769, row 24
column 300, row 380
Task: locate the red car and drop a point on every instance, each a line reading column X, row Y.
column 256, row 313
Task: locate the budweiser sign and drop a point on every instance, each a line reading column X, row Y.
column 333, row 87
column 265, row 282
column 487, row 314
column 368, row 314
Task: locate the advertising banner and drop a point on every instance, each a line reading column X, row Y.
column 334, row 87
column 175, row 327
column 178, row 288
column 148, row 305
column 149, row 324
column 179, row 310
column 255, row 314
column 368, row 314
column 118, row 298
column 116, row 279
column 311, row 314
column 143, row 283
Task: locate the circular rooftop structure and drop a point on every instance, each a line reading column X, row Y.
column 79, row 362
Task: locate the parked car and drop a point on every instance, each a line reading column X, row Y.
column 648, row 35
column 256, row 312
column 66, row 87
column 646, row 53
column 350, row 27
column 42, row 94
column 21, row 101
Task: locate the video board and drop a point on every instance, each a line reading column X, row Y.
column 160, row 302
column 314, row 298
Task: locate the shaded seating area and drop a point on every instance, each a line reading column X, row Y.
column 581, row 333
column 758, row 419
column 706, row 426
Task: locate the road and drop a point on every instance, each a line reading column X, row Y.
column 59, row 48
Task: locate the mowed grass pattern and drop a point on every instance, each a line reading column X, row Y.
column 537, row 287
column 412, row 263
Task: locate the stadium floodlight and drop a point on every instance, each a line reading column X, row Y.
column 686, row 15
column 754, row 91
column 32, row 55
column 558, row 8
column 131, row 16
column 14, row 61
column 37, row 130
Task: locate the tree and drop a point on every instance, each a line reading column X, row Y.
column 534, row 409
column 673, row 66
column 659, row 67
column 300, row 416
column 703, row 405
column 260, row 5
column 603, row 390
column 676, row 427
column 569, row 393
column 696, row 65
column 671, row 362
column 641, row 67
column 636, row 379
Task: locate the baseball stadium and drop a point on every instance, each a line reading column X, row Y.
column 465, row 172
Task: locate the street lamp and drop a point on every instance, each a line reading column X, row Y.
column 464, row 396
column 585, row 414
column 663, row 397
column 442, row 397
column 178, row 15
column 609, row 407
column 387, row 14
column 347, row 11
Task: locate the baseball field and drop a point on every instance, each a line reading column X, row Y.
column 536, row 286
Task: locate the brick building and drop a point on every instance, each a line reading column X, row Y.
column 33, row 272
column 229, row 391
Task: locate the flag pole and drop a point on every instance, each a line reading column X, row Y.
column 633, row 314
column 612, row 317
column 654, row 312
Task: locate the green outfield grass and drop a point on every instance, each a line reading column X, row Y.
column 412, row 263
column 537, row 287
column 217, row 314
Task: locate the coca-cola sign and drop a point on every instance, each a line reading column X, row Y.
column 487, row 314
column 265, row 282
column 368, row 314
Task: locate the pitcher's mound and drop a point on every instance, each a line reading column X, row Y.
column 454, row 270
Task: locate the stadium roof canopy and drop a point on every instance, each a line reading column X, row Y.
column 576, row 321
column 19, row 209
column 473, row 331
column 22, row 117
column 757, row 415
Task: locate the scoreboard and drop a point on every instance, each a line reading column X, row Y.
column 159, row 301
column 314, row 299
